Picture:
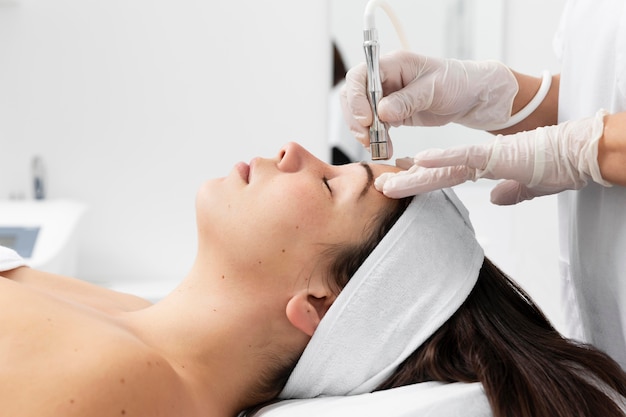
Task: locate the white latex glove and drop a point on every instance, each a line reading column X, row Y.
column 423, row 91
column 534, row 163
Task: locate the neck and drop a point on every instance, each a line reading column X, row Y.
column 218, row 333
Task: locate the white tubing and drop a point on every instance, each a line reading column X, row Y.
column 369, row 18
column 532, row 105
column 369, row 21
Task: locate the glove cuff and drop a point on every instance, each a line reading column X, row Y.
column 589, row 160
column 495, row 92
column 533, row 104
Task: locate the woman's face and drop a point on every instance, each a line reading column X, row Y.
column 275, row 216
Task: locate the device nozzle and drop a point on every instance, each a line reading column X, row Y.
column 379, row 143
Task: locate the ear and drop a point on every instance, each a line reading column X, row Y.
column 305, row 311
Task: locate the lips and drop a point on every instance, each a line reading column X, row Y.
column 244, row 171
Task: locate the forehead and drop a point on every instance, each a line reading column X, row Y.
column 373, row 195
column 378, row 168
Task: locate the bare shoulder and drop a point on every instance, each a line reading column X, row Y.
column 135, row 383
column 118, row 379
column 59, row 358
column 75, row 290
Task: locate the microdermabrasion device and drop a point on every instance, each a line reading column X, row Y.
column 380, row 145
column 379, row 140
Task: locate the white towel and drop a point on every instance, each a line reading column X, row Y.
column 427, row 399
column 9, row 259
column 412, row 282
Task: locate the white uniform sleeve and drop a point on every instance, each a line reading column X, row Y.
column 558, row 39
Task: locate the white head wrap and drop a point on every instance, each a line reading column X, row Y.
column 412, row 282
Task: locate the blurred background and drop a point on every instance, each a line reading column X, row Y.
column 112, row 113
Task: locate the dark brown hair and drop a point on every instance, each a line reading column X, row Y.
column 500, row 337
column 341, row 262
column 345, row 259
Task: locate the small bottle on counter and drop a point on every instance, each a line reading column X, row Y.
column 39, row 191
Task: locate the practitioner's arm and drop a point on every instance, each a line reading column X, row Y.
column 547, row 112
column 612, row 149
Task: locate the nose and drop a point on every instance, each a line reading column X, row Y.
column 293, row 157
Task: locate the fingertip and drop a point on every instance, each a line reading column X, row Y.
column 400, row 184
column 398, row 193
column 405, row 163
column 390, row 110
column 507, row 193
column 381, row 180
column 362, row 137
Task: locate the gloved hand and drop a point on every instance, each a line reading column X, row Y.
column 423, row 91
column 543, row 161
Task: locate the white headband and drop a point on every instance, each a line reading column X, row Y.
column 412, row 282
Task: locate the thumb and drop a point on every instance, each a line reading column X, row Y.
column 511, row 192
column 396, row 107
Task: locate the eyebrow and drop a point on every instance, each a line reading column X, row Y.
column 370, row 179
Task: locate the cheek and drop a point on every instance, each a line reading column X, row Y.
column 290, row 216
column 310, row 211
column 275, row 240
column 260, row 221
column 294, row 229
column 280, row 225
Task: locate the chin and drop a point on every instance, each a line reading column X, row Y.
column 208, row 199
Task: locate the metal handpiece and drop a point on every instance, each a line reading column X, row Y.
column 379, row 140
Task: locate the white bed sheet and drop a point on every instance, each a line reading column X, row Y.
column 428, row 399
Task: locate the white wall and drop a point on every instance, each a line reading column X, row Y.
column 521, row 239
column 530, row 26
column 132, row 104
column 532, row 253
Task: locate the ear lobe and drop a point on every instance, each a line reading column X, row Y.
column 305, row 312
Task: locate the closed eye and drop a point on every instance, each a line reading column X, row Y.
column 327, row 185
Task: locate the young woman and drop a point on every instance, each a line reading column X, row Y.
column 426, row 305
column 283, row 243
column 269, row 235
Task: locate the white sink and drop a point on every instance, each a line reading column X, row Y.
column 51, row 225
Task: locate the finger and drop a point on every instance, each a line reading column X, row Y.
column 405, row 163
column 382, row 179
column 419, row 180
column 511, row 192
column 472, row 156
column 357, row 103
column 405, row 103
column 379, row 182
column 360, row 132
column 397, row 69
